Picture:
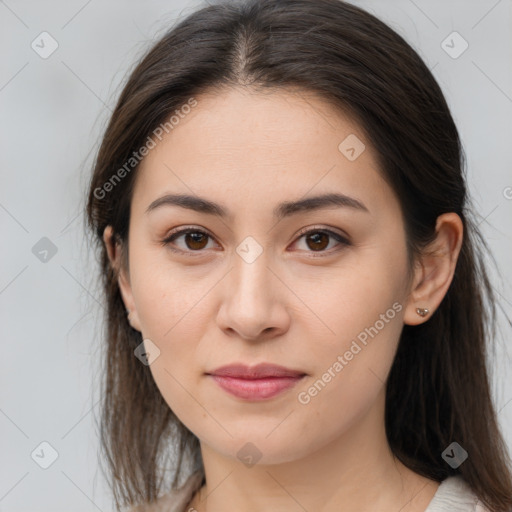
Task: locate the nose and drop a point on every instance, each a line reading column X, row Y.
column 254, row 300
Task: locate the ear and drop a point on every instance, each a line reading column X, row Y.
column 123, row 280
column 435, row 268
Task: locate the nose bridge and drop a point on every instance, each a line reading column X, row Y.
column 250, row 305
column 250, row 279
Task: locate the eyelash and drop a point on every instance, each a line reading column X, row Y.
column 176, row 234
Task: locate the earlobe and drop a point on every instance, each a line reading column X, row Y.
column 126, row 294
column 133, row 319
column 418, row 310
column 114, row 255
column 435, row 270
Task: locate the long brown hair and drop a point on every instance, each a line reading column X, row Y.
column 438, row 391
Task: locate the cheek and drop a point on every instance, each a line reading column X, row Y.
column 352, row 364
column 360, row 298
column 168, row 298
column 361, row 308
column 173, row 317
column 350, row 374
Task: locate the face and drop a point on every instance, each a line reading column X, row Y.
column 319, row 290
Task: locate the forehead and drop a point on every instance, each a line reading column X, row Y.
column 264, row 146
column 280, row 120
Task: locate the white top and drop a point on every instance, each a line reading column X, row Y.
column 453, row 495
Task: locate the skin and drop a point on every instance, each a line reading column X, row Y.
column 249, row 151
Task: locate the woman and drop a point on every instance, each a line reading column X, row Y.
column 295, row 287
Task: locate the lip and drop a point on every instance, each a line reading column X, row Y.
column 260, row 382
column 259, row 371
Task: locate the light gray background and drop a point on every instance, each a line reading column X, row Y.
column 53, row 112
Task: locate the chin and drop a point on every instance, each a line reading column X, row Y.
column 262, row 449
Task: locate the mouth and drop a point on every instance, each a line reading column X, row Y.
column 256, row 383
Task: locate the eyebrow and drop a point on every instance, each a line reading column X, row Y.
column 282, row 210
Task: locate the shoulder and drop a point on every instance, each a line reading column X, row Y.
column 176, row 500
column 455, row 495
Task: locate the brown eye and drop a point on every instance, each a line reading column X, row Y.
column 317, row 241
column 194, row 240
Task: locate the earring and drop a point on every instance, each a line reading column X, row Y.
column 422, row 312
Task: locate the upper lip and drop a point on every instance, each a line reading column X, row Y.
column 259, row 371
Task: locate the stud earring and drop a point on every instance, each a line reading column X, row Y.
column 422, row 312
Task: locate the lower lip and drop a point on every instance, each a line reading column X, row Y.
column 255, row 389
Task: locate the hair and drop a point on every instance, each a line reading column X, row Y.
column 438, row 389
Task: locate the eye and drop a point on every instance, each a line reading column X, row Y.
column 195, row 240
column 316, row 239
